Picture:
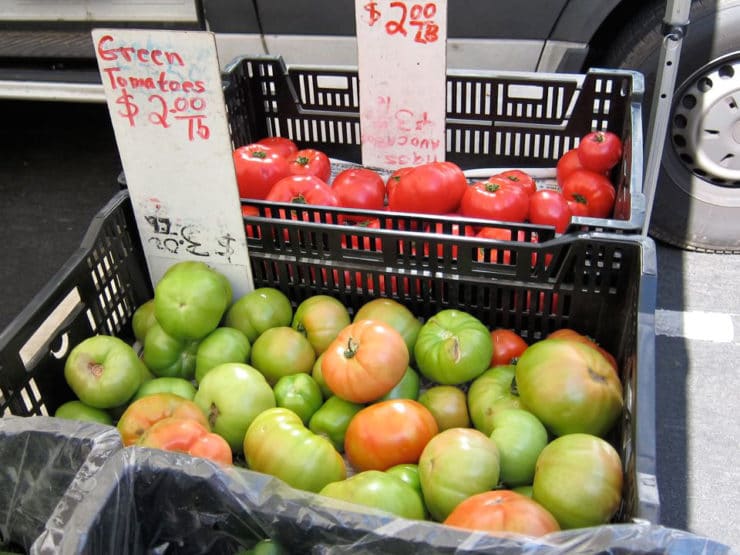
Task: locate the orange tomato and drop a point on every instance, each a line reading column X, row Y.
column 365, row 361
column 389, row 433
column 503, row 511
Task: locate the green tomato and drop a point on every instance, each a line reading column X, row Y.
column 454, row 465
column 223, row 344
column 520, row 438
column 282, row 351
column 299, row 393
column 332, row 419
column 143, row 319
column 104, row 371
column 77, row 410
column 453, row 347
column 524, row 490
column 448, row 405
column 177, row 386
column 320, row 318
column 258, row 311
column 408, row 473
column 407, row 388
column 317, row 374
column 277, row 443
column 379, row 490
column 578, row 478
column 232, row 395
column 493, row 391
column 167, row 355
column 190, row 300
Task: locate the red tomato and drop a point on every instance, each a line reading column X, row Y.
column 359, row 188
column 354, row 240
column 258, row 168
column 495, row 199
column 600, row 151
column 388, row 433
column 433, row 188
column 507, row 345
column 578, row 206
column 310, row 161
column 503, row 511
column 592, row 189
column 248, row 211
column 521, row 178
column 282, row 145
column 394, row 178
column 438, row 227
column 567, row 163
column 549, row 207
column 302, row 189
column 500, row 234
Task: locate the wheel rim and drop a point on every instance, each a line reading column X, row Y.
column 705, row 126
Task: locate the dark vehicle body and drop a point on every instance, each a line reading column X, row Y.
column 46, row 53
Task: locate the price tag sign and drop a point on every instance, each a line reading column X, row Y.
column 402, row 71
column 163, row 90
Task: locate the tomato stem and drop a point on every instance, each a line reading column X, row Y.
column 352, row 347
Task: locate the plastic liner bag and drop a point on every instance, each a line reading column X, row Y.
column 40, row 456
column 151, row 501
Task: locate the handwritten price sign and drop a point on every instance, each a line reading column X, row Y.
column 164, row 96
column 402, row 72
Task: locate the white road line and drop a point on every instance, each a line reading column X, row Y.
column 706, row 326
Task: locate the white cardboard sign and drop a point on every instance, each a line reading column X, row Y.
column 402, row 72
column 166, row 104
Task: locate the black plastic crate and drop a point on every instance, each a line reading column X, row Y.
column 39, row 459
column 494, row 119
column 602, row 285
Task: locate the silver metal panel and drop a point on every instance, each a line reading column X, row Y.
column 99, row 10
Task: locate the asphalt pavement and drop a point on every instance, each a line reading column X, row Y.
column 59, row 166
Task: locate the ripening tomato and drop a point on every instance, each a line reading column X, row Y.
column 520, row 178
column 258, row 168
column 283, row 145
column 593, row 189
column 549, row 207
column 359, row 188
column 503, row 511
column 387, row 433
column 573, row 335
column 495, row 199
column 187, row 436
column 365, row 361
column 600, row 151
column 141, row 415
column 507, row 345
column 310, row 161
column 433, row 188
column 570, row 387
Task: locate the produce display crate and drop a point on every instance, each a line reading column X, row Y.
column 39, row 459
column 501, row 120
column 600, row 284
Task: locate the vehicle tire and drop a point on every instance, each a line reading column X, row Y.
column 697, row 200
